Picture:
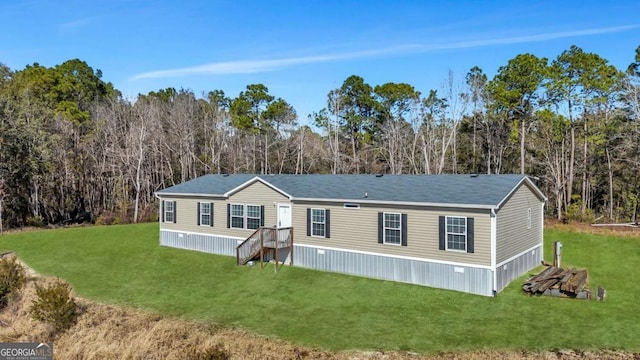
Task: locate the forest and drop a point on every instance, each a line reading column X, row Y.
column 73, row 149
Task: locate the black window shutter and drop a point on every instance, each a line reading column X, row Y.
column 404, row 229
column 211, row 222
column 470, row 245
column 380, row 227
column 228, row 216
column 327, row 224
column 442, row 231
column 261, row 215
column 162, row 210
column 308, row 221
column 175, row 213
column 198, row 213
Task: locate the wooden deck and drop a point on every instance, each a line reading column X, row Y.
column 272, row 244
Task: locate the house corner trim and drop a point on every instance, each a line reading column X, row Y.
column 494, row 250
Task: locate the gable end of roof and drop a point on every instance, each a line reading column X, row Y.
column 526, row 181
column 252, row 181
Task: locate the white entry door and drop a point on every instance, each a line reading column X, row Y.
column 284, row 215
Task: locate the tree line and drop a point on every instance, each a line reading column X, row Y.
column 72, row 147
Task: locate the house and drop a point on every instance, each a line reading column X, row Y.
column 471, row 233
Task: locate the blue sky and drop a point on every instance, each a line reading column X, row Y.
column 302, row 49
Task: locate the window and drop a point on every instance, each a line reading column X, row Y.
column 318, row 222
column 205, row 214
column 529, row 218
column 169, row 211
column 237, row 216
column 253, row 217
column 392, row 229
column 456, row 233
column 242, row 216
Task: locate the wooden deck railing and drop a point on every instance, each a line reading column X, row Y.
column 270, row 238
column 251, row 247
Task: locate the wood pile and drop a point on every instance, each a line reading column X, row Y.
column 556, row 281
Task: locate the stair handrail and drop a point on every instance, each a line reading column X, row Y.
column 249, row 243
column 254, row 244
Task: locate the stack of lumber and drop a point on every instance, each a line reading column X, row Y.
column 556, row 281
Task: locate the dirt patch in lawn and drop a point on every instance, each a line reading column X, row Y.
column 114, row 332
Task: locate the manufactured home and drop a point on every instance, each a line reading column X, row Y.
column 470, row 233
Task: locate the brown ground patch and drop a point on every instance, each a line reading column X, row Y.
column 114, row 332
column 584, row 228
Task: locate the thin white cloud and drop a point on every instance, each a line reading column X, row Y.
column 74, row 25
column 260, row 66
column 535, row 38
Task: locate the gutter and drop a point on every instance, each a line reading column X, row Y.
column 158, row 195
column 406, row 203
column 354, row 201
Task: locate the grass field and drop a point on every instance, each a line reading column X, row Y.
column 125, row 265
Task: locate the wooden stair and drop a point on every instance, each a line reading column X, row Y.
column 264, row 240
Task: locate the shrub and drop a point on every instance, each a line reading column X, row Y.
column 106, row 218
column 575, row 213
column 112, row 218
column 54, row 305
column 35, row 221
column 149, row 213
column 12, row 278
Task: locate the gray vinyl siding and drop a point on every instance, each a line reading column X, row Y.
column 514, row 268
column 357, row 230
column 213, row 244
column 513, row 237
column 444, row 276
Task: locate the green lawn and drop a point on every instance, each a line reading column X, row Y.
column 125, row 265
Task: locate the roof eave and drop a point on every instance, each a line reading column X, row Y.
column 402, row 203
column 160, row 194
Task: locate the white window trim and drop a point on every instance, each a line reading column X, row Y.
column 244, row 222
column 528, row 218
column 203, row 213
column 245, row 216
column 384, row 228
column 166, row 211
column 324, row 223
column 446, row 234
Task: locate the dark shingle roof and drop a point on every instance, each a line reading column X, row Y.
column 480, row 190
column 212, row 184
